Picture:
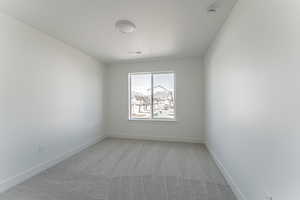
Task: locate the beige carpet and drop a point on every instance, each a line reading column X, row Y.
column 116, row 169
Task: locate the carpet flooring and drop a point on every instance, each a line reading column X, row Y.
column 117, row 169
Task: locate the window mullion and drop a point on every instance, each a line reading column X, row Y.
column 151, row 95
column 129, row 100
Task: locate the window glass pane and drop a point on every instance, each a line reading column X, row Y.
column 140, row 96
column 163, row 96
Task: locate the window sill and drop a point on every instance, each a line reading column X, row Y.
column 154, row 120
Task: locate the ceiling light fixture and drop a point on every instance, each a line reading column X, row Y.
column 212, row 8
column 125, row 26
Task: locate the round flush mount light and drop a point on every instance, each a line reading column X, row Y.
column 125, row 26
column 212, row 10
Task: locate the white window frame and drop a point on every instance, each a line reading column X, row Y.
column 129, row 97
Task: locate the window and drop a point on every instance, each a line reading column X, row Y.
column 151, row 96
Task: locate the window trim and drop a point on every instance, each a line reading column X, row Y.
column 151, row 119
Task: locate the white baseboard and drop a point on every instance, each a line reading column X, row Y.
column 157, row 138
column 236, row 190
column 21, row 177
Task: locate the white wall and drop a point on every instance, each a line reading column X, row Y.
column 253, row 98
column 189, row 102
column 50, row 99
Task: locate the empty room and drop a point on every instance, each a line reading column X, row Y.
column 149, row 100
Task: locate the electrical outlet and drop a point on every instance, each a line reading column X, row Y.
column 269, row 198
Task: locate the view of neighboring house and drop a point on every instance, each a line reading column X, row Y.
column 163, row 103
